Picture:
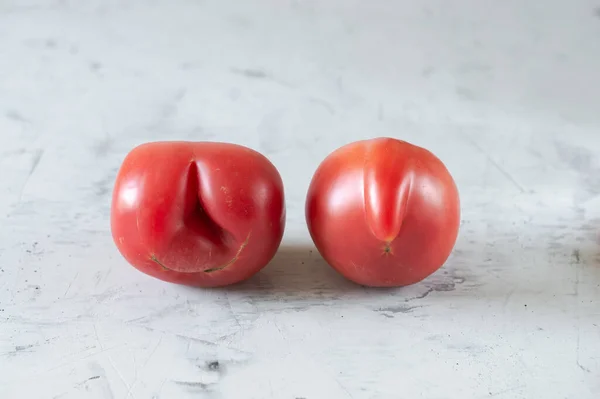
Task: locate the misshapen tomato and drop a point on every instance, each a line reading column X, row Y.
column 383, row 212
column 198, row 213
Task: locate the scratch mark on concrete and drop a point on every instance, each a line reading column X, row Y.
column 120, row 375
column 233, row 314
column 36, row 161
column 578, row 361
column 110, row 360
column 323, row 104
column 507, row 390
column 70, row 284
column 577, row 258
column 34, row 164
column 507, row 298
column 130, row 392
column 344, row 388
column 491, row 160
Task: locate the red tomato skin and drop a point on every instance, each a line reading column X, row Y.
column 203, row 214
column 383, row 212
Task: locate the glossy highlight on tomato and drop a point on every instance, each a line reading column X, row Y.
column 383, row 212
column 202, row 214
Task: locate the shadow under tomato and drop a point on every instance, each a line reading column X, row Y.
column 298, row 278
column 512, row 267
column 297, row 270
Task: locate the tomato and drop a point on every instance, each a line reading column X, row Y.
column 202, row 214
column 383, row 212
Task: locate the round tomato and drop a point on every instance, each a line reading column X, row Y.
column 197, row 213
column 383, row 212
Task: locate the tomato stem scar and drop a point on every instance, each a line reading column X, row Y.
column 234, row 259
column 387, row 249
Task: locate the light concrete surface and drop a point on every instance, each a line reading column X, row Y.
column 506, row 93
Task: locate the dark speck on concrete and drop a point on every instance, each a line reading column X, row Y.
column 186, row 66
column 214, row 365
column 465, row 93
column 15, row 116
column 101, row 190
column 251, row 73
column 103, row 186
column 102, row 147
column 192, row 384
column 577, row 255
column 444, row 287
column 95, row 66
column 577, row 157
column 428, row 71
column 561, row 57
column 459, row 280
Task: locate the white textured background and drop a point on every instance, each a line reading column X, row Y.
column 506, row 93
